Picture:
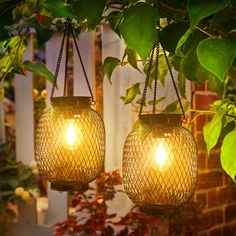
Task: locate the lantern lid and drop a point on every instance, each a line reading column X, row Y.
column 73, row 101
column 163, row 118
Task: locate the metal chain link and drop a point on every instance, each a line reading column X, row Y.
column 83, row 68
column 67, row 54
column 156, row 75
column 146, row 81
column 173, row 80
column 54, row 84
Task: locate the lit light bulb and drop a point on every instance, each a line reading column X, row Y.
column 163, row 156
column 72, row 136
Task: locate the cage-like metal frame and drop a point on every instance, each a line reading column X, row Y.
column 70, row 168
column 167, row 187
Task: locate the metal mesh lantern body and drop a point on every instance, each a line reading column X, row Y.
column 159, row 163
column 70, row 143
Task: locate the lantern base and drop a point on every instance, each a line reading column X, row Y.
column 155, row 211
column 69, row 186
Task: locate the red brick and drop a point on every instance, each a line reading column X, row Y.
column 228, row 194
column 201, row 160
column 213, row 161
column 221, row 196
column 229, row 230
column 230, row 213
column 216, row 232
column 214, row 198
column 203, row 101
column 201, row 200
column 201, row 121
column 201, row 145
column 208, row 220
column 199, row 87
column 210, row 180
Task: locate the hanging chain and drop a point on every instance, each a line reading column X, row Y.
column 67, row 54
column 83, row 68
column 54, row 84
column 173, row 80
column 146, row 81
column 69, row 30
column 156, row 75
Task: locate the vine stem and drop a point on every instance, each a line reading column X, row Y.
column 203, row 31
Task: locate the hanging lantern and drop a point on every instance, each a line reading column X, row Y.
column 160, row 157
column 70, row 136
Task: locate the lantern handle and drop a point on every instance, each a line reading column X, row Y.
column 156, row 48
column 69, row 30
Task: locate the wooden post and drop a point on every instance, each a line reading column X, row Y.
column 58, row 206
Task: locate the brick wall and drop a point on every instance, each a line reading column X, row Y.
column 215, row 191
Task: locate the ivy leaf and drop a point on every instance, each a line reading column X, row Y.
column 178, row 49
column 172, row 107
column 109, row 64
column 212, row 129
column 157, row 102
column 59, row 8
column 217, row 55
column 93, row 10
column 131, row 93
column 12, row 60
column 38, row 68
column 199, row 9
column 227, row 158
column 138, row 28
column 171, row 34
column 132, row 58
column 182, row 84
column 1, row 94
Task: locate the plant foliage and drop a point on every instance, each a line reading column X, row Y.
column 198, row 35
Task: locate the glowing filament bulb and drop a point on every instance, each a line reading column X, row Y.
column 72, row 136
column 162, row 157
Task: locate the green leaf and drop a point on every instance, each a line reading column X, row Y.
column 109, row 64
column 138, row 28
column 199, row 9
column 172, row 107
column 182, row 84
column 132, row 58
column 59, row 8
column 93, row 10
column 178, row 49
column 12, row 60
column 217, row 55
column 228, row 149
column 1, row 94
column 131, row 93
column 158, row 101
column 38, row 68
column 171, row 35
column 212, row 130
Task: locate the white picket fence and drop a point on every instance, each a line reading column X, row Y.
column 118, row 119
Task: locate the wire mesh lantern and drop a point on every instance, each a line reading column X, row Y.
column 160, row 156
column 70, row 136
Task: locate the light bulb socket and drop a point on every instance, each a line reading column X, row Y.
column 71, row 101
column 161, row 119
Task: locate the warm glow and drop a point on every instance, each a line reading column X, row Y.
column 72, row 136
column 162, row 156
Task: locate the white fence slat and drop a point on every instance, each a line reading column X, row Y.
column 25, row 112
column 25, row 125
column 57, row 201
column 86, row 47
